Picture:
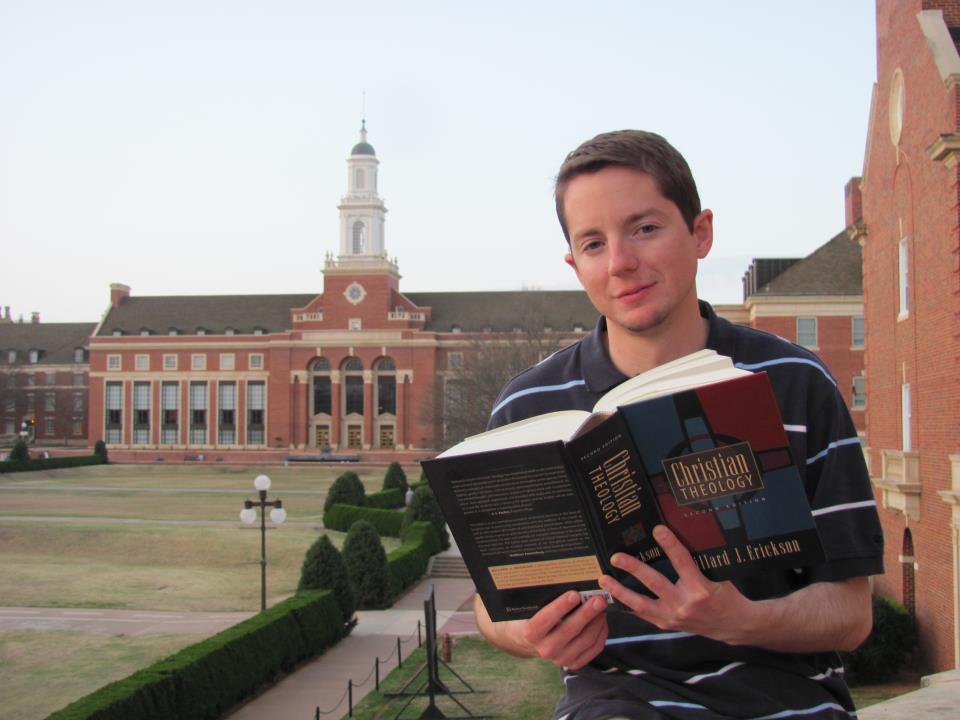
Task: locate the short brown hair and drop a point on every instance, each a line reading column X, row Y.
column 643, row 151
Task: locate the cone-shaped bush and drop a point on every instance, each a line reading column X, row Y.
column 366, row 565
column 424, row 506
column 395, row 478
column 19, row 451
column 100, row 450
column 324, row 567
column 347, row 490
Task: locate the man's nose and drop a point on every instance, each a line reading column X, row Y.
column 621, row 258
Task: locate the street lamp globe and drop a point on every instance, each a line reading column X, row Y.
column 278, row 515
column 261, row 482
column 248, row 516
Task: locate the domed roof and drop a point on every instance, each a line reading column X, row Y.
column 363, row 147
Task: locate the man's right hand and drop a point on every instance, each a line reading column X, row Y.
column 560, row 632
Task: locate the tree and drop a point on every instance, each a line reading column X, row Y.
column 100, row 450
column 395, row 478
column 470, row 391
column 20, row 453
column 424, row 506
column 324, row 567
column 366, row 563
column 347, row 490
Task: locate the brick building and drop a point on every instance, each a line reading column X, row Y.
column 43, row 377
column 909, row 229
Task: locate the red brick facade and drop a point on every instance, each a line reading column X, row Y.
column 910, row 222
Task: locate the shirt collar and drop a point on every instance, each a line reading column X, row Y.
column 601, row 374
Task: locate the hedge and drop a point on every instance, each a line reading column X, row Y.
column 408, row 563
column 207, row 679
column 388, row 499
column 9, row 466
column 341, row 517
column 885, row 651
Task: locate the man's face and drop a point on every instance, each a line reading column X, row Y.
column 632, row 250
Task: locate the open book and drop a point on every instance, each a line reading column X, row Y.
column 539, row 506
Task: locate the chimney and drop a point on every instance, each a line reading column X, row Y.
column 118, row 293
column 35, row 317
column 853, row 202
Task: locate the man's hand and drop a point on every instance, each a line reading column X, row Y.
column 560, row 632
column 819, row 617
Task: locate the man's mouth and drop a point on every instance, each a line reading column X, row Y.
column 633, row 293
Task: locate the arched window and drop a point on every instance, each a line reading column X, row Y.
column 320, row 369
column 386, row 377
column 353, row 386
column 908, row 561
column 359, row 238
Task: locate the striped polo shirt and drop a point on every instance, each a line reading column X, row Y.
column 645, row 672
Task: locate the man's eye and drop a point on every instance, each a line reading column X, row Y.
column 591, row 245
column 647, row 228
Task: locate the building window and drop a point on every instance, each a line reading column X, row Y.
column 141, row 362
column 114, row 412
column 198, row 413
column 31, row 380
column 113, row 362
column 454, row 360
column 856, row 331
column 201, row 331
column 386, row 384
column 353, row 387
column 227, row 361
column 456, row 329
column 51, row 378
column 10, row 426
column 198, row 362
column 229, row 331
column 256, row 392
column 33, row 357
column 141, row 413
column 255, row 361
column 906, row 413
column 78, row 355
column 904, row 278
column 169, row 362
column 11, row 356
column 258, row 331
column 359, row 239
column 118, row 333
column 355, row 324
column 49, row 402
column 77, row 427
column 859, row 400
column 226, row 411
column 10, row 405
column 169, row 413
column 807, row 331
column 358, row 178
column 145, row 331
column 77, row 403
column 49, row 427
column 78, row 380
column 173, row 331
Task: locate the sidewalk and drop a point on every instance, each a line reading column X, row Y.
column 937, row 699
column 323, row 682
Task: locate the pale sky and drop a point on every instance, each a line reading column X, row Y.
column 199, row 147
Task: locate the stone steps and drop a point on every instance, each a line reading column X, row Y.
column 450, row 566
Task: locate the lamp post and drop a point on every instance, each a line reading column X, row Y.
column 277, row 515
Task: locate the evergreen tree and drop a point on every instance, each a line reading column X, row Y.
column 347, row 490
column 424, row 506
column 395, row 478
column 19, row 452
column 366, row 563
column 100, row 450
column 324, row 567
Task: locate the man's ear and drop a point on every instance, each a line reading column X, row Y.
column 703, row 233
column 568, row 259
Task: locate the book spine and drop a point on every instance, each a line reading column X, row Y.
column 616, row 492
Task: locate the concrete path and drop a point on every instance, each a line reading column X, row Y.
column 937, row 699
column 119, row 622
column 323, row 682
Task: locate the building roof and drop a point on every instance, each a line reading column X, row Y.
column 504, row 311
column 213, row 313
column 55, row 341
column 469, row 311
column 832, row 269
column 363, row 148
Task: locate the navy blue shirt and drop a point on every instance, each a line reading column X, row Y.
column 645, row 672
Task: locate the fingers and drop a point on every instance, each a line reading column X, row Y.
column 568, row 636
column 679, row 556
column 594, row 638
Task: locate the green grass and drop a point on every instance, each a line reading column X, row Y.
column 513, row 688
column 43, row 670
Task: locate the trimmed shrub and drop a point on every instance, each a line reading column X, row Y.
column 346, row 489
column 323, row 567
column 207, row 679
column 385, row 499
column 885, row 651
column 367, row 565
column 19, row 452
column 342, row 518
column 408, row 563
column 100, row 450
column 9, row 466
column 395, row 478
column 424, row 506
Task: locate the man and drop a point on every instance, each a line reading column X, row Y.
column 758, row 648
